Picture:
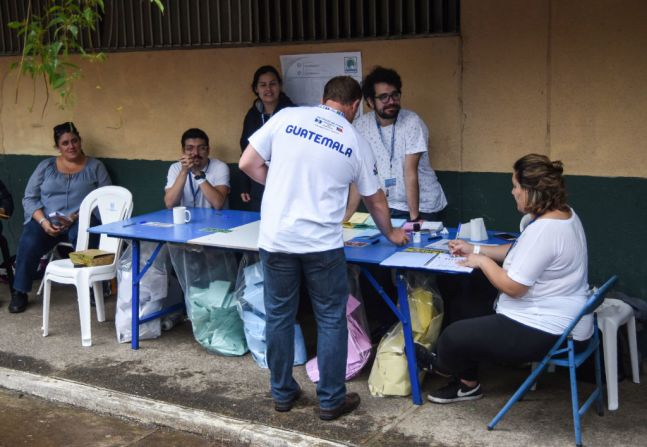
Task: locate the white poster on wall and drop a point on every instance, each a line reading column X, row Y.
column 305, row 75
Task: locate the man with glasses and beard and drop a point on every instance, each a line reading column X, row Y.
column 399, row 140
column 197, row 180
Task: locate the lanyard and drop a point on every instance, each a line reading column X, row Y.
column 338, row 112
column 379, row 132
column 195, row 191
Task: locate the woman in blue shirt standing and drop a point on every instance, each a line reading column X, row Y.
column 58, row 185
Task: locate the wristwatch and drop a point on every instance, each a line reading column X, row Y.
column 200, row 176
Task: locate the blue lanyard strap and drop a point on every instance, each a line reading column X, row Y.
column 338, row 112
column 195, row 191
column 379, row 132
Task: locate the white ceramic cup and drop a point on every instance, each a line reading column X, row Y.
column 181, row 215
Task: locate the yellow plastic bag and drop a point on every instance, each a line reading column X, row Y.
column 390, row 373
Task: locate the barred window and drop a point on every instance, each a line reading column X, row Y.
column 128, row 25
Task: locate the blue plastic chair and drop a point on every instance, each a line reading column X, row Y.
column 563, row 354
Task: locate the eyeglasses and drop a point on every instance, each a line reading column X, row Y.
column 385, row 97
column 201, row 148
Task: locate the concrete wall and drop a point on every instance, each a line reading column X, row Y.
column 136, row 105
column 564, row 78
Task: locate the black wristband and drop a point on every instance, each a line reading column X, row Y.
column 414, row 220
column 201, row 175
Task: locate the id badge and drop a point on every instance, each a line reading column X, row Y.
column 389, row 182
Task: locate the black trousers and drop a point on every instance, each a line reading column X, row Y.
column 466, row 343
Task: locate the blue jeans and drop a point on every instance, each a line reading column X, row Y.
column 33, row 244
column 326, row 279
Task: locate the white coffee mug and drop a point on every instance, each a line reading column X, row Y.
column 181, row 215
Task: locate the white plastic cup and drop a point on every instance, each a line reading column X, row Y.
column 477, row 229
column 181, row 215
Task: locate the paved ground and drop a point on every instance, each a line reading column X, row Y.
column 172, row 381
column 28, row 421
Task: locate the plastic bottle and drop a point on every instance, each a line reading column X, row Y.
column 416, row 236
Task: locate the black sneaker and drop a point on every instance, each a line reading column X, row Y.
column 423, row 357
column 455, row 391
column 18, row 302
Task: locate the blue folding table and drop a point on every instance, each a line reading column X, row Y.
column 148, row 227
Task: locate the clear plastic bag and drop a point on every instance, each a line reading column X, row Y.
column 153, row 290
column 390, row 373
column 207, row 276
column 251, row 308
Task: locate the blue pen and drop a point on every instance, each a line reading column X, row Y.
column 458, row 231
column 133, row 223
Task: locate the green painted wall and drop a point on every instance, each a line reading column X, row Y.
column 610, row 208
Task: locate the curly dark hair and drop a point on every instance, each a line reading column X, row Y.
column 378, row 75
column 543, row 179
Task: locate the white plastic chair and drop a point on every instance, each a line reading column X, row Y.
column 114, row 204
column 53, row 254
column 612, row 314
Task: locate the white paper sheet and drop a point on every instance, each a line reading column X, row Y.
column 440, row 262
column 244, row 237
column 305, row 75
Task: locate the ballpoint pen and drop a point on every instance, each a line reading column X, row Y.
column 133, row 223
column 430, row 259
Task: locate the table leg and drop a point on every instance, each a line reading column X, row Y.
column 134, row 344
column 404, row 316
column 137, row 277
column 408, row 340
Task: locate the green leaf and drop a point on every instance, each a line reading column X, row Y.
column 159, row 4
column 88, row 15
column 56, row 80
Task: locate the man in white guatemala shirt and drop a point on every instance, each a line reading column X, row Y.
column 314, row 155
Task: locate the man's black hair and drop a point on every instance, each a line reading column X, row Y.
column 195, row 133
column 378, row 75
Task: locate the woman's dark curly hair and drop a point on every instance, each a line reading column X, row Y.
column 543, row 179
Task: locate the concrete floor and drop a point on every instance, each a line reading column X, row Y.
column 232, row 392
column 28, row 421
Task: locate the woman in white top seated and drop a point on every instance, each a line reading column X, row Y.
column 542, row 283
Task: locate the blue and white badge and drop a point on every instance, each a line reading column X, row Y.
column 389, row 182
